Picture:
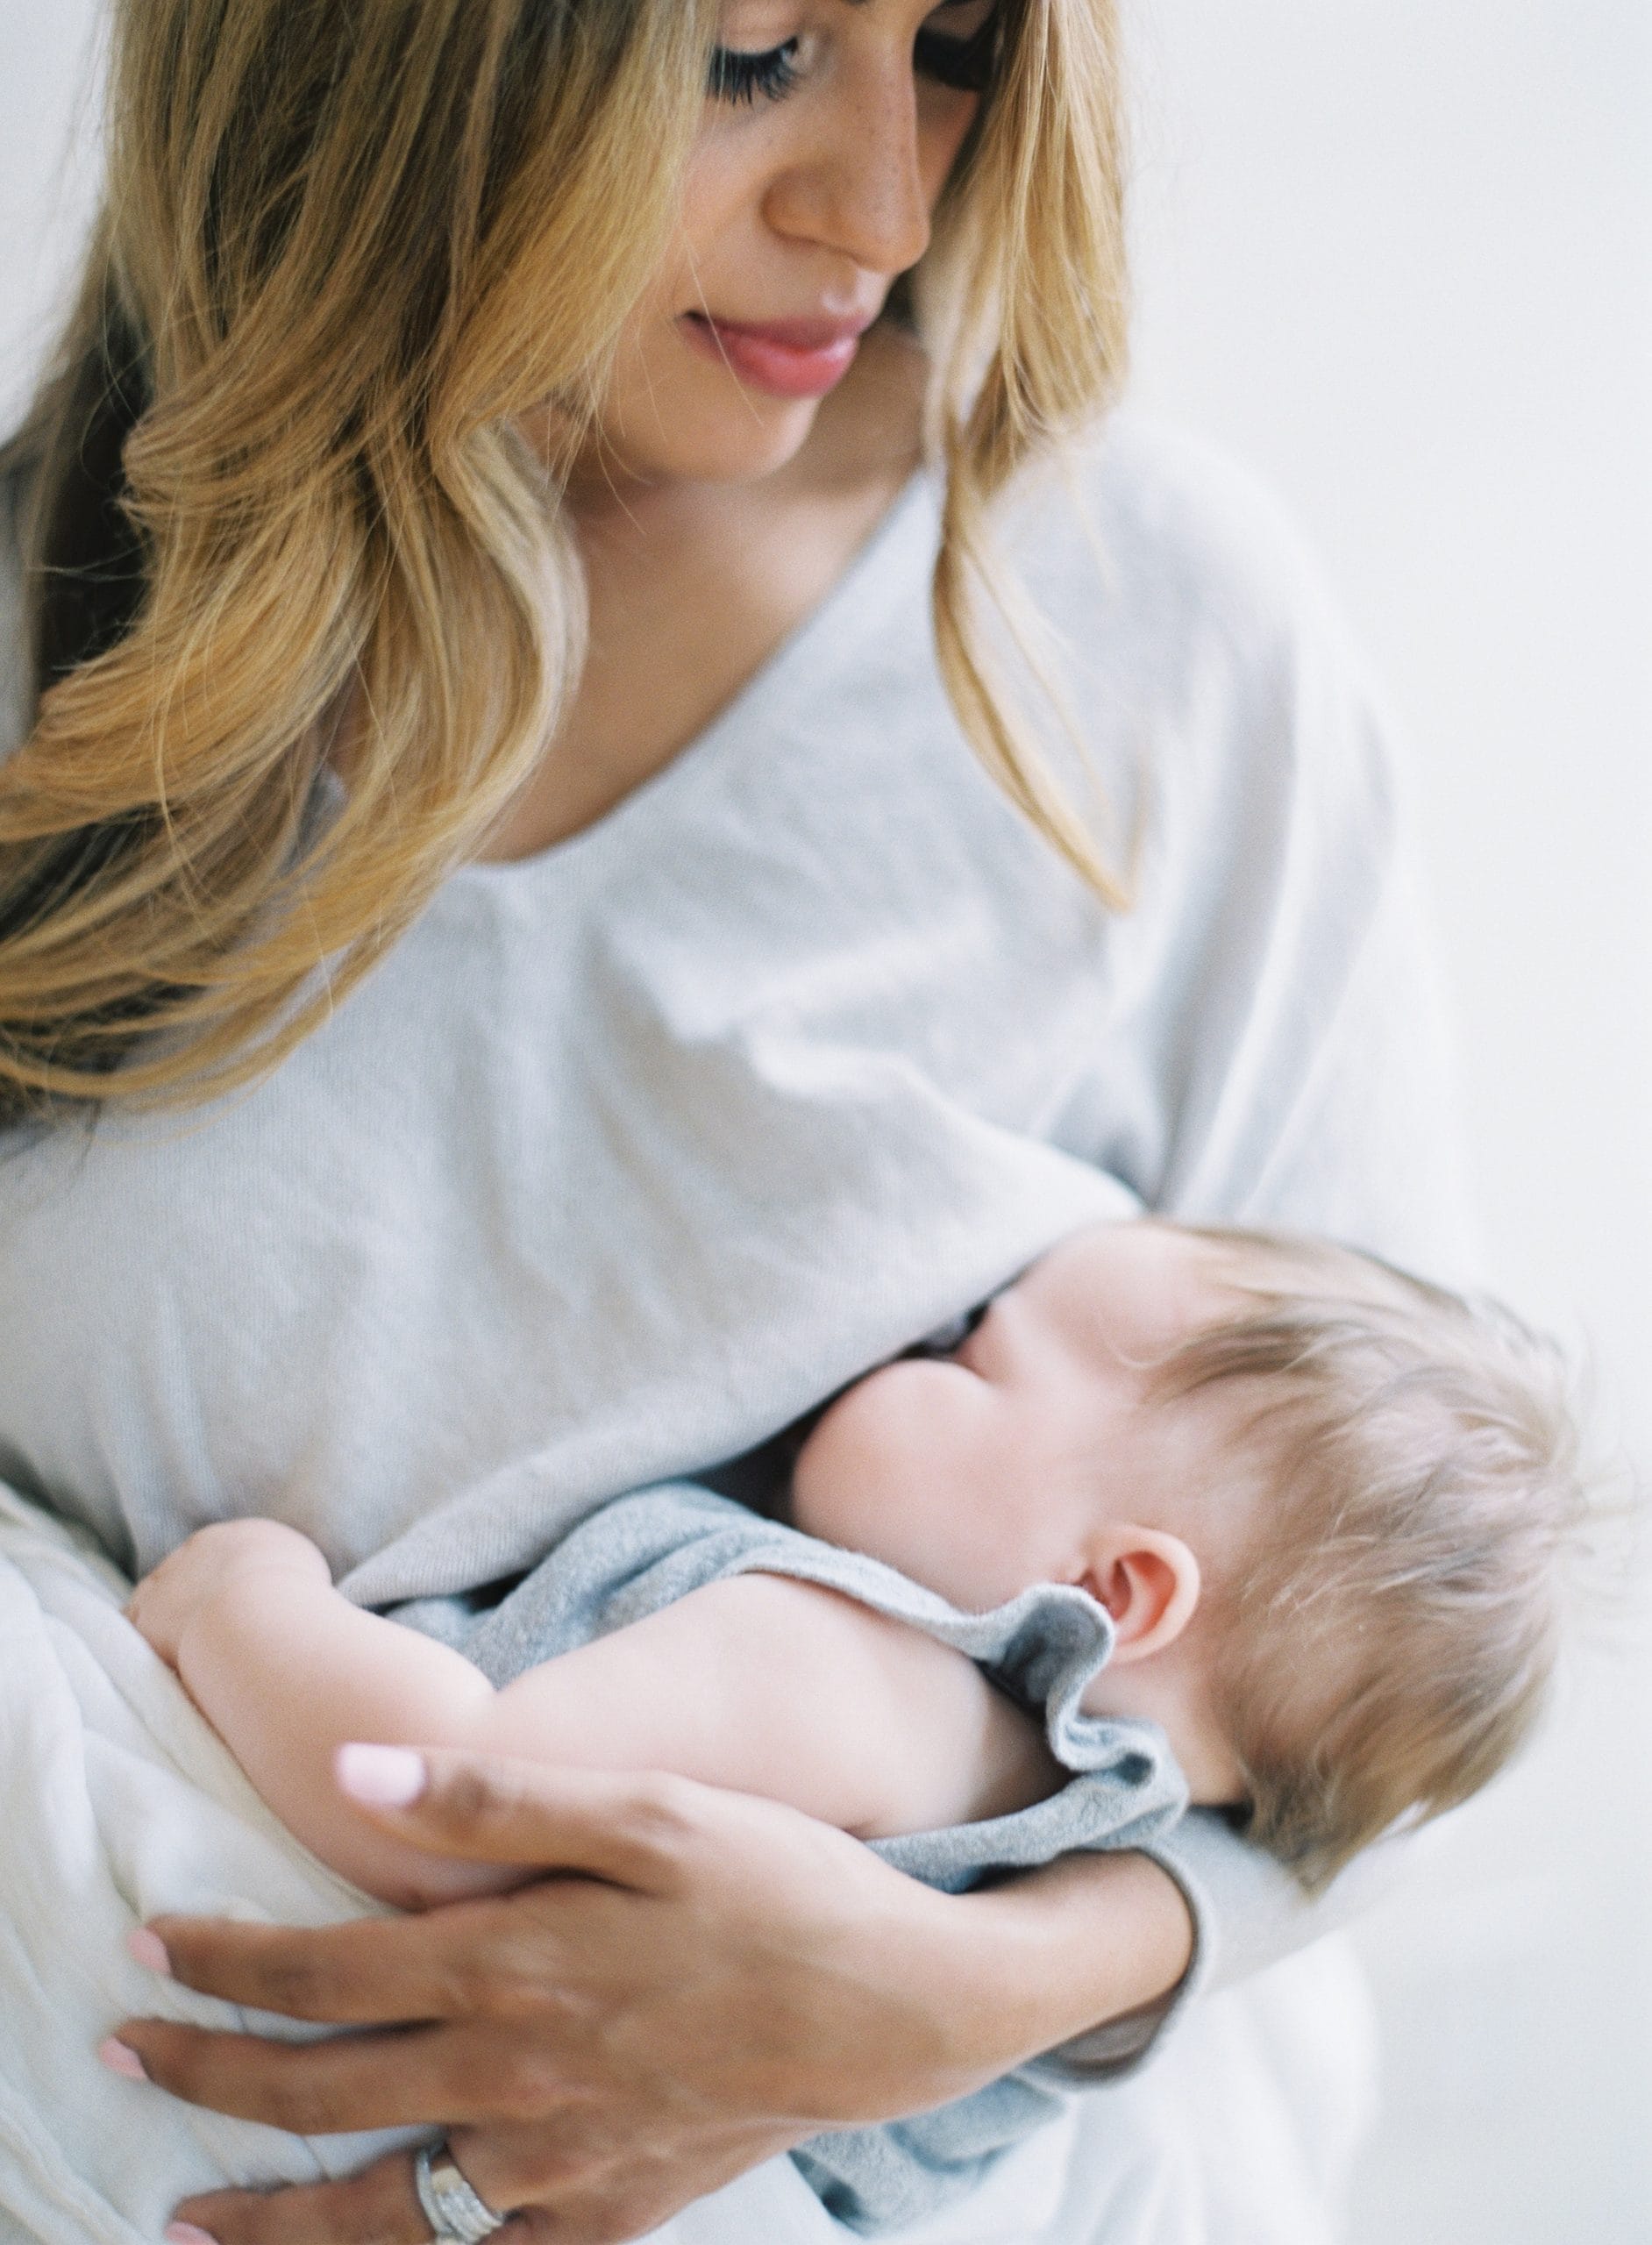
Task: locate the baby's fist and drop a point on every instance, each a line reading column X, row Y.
column 205, row 1567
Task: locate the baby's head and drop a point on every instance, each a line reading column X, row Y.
column 1323, row 1502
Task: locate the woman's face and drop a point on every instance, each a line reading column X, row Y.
column 830, row 127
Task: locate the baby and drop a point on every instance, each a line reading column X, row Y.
column 1264, row 1499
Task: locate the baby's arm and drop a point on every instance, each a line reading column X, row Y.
column 761, row 1683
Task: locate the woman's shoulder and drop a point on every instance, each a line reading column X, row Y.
column 1189, row 612
column 1175, row 540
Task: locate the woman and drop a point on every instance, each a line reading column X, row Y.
column 487, row 752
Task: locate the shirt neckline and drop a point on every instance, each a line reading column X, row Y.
column 818, row 641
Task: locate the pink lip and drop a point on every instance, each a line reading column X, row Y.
column 789, row 358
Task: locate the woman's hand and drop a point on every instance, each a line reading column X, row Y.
column 705, row 1979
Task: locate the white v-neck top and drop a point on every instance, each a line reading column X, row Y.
column 631, row 1151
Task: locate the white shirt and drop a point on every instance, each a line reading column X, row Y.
column 631, row 1151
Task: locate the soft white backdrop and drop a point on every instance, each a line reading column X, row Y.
column 1399, row 254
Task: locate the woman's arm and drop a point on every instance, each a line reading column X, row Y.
column 757, row 1977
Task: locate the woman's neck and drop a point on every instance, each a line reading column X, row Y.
column 692, row 587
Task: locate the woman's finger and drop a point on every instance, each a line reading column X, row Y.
column 379, row 2206
column 415, row 2077
column 628, row 1827
column 366, row 1972
column 627, row 1830
column 557, row 2183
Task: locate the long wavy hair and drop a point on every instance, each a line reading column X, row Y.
column 277, row 469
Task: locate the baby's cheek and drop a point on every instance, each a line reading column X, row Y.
column 868, row 1475
column 900, row 1468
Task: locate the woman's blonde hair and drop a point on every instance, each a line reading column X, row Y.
column 346, row 245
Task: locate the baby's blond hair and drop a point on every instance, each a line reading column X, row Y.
column 1387, row 1639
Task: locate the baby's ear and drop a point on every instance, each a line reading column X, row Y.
column 1148, row 1582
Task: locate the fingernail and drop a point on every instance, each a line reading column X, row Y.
column 382, row 1776
column 185, row 2233
column 119, row 2059
column 148, row 1949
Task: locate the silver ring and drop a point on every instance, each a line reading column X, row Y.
column 452, row 2209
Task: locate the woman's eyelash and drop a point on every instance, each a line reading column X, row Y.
column 735, row 75
column 964, row 65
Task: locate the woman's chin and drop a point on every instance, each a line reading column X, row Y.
column 737, row 438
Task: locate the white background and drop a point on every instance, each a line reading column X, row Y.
column 1399, row 254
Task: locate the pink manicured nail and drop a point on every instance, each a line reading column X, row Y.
column 148, row 1949
column 382, row 1776
column 185, row 2233
column 119, row 2059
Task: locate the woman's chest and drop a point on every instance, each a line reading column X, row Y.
column 557, row 1178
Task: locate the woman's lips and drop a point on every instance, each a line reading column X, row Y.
column 791, row 357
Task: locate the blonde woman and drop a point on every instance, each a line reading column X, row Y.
column 558, row 901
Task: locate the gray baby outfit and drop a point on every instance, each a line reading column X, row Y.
column 644, row 1552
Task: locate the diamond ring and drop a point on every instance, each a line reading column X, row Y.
column 453, row 2210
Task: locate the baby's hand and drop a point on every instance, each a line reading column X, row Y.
column 201, row 1570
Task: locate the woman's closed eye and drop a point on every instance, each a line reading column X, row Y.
column 735, row 75
column 961, row 60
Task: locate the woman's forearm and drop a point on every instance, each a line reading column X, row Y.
column 1084, row 1942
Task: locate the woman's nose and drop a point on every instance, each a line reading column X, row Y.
column 860, row 188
